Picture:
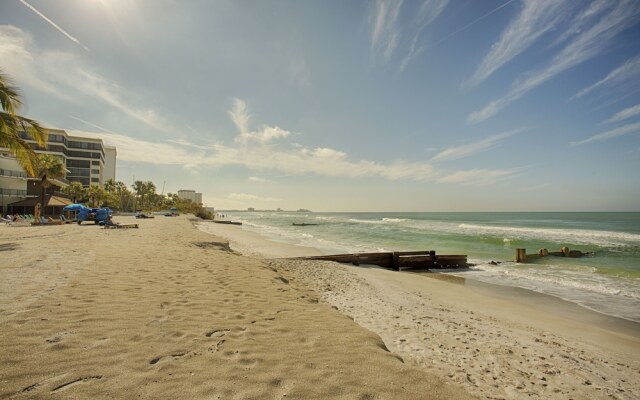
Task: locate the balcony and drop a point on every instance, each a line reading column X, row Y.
column 13, row 174
column 13, row 192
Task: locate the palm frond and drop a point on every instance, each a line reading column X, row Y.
column 9, row 96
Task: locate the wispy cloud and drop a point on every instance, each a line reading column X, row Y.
column 250, row 197
column 625, row 114
column 625, row 75
column 389, row 35
column 469, row 149
column 257, row 179
column 470, row 24
column 591, row 42
column 536, row 18
column 65, row 76
column 385, row 32
column 610, row 134
column 428, row 12
column 478, row 177
column 91, row 124
column 281, row 156
column 73, row 39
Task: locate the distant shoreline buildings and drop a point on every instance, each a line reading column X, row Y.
column 187, row 194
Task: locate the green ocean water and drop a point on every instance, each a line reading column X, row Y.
column 608, row 281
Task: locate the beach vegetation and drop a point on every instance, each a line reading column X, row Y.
column 76, row 191
column 14, row 126
column 144, row 192
column 49, row 167
column 97, row 195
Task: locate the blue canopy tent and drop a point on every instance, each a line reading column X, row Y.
column 74, row 207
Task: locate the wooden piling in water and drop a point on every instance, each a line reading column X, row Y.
column 521, row 255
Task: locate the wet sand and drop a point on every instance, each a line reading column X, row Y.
column 496, row 342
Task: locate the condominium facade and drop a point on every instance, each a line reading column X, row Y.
column 190, row 195
column 87, row 159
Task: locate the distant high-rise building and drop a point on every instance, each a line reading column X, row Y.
column 192, row 195
column 88, row 160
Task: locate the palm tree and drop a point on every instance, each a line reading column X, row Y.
column 13, row 125
column 49, row 167
column 96, row 195
column 76, row 191
column 138, row 188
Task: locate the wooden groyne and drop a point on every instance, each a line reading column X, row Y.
column 523, row 257
column 399, row 260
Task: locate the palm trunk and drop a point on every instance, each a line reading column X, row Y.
column 43, row 206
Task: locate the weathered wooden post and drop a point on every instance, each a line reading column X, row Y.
column 396, row 261
column 356, row 259
column 521, row 255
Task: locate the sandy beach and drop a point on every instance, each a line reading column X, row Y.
column 496, row 342
column 167, row 311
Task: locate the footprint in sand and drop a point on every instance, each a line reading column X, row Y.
column 58, row 337
column 74, row 382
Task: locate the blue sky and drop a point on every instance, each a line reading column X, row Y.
column 436, row 105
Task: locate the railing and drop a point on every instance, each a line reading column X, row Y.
column 11, row 173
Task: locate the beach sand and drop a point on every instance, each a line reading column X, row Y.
column 496, row 342
column 167, row 311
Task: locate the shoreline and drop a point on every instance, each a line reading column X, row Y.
column 167, row 311
column 255, row 244
column 537, row 345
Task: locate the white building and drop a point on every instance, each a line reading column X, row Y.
column 190, row 195
column 88, row 161
column 87, row 158
column 13, row 181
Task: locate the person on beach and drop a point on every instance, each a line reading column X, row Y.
column 36, row 213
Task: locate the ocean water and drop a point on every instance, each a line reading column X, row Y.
column 608, row 281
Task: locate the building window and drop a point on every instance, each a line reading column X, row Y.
column 78, row 163
column 95, row 180
column 95, row 171
column 95, row 162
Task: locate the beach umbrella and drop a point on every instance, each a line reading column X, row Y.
column 73, row 207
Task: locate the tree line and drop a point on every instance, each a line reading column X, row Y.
column 142, row 196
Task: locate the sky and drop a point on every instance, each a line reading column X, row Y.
column 434, row 105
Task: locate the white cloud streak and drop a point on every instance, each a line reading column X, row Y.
column 65, row 33
column 478, row 177
column 250, row 197
column 387, row 31
column 91, row 124
column 257, row 179
column 536, row 18
column 288, row 158
column 429, row 11
column 625, row 114
column 590, row 43
column 610, row 134
column 65, row 76
column 628, row 72
column 469, row 149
